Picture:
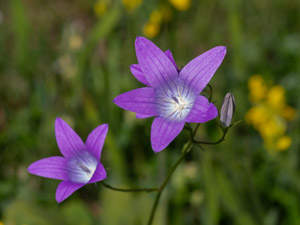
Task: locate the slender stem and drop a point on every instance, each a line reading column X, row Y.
column 154, row 207
column 195, row 131
column 189, row 128
column 129, row 190
column 172, row 170
column 211, row 92
column 185, row 150
column 211, row 143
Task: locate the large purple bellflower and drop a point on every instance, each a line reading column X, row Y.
column 172, row 95
column 81, row 162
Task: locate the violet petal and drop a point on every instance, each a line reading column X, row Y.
column 142, row 116
column 163, row 132
column 65, row 189
column 99, row 174
column 169, row 54
column 67, row 140
column 202, row 111
column 53, row 167
column 95, row 140
column 155, row 65
column 137, row 72
column 200, row 70
column 139, row 100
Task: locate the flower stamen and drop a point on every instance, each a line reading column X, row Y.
column 81, row 167
column 173, row 105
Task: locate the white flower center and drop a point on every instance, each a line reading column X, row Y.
column 81, row 167
column 175, row 101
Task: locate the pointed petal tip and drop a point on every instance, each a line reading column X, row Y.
column 115, row 100
column 95, row 140
column 157, row 149
column 32, row 168
column 65, row 189
column 140, row 42
column 168, row 51
column 222, row 49
column 163, row 132
column 59, row 122
column 136, row 71
column 29, row 168
column 133, row 66
column 219, row 50
column 213, row 111
column 58, row 200
column 58, row 119
column 139, row 38
column 104, row 125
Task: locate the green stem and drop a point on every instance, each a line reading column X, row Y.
column 195, row 131
column 185, row 150
column 211, row 143
column 189, row 128
column 129, row 190
column 154, row 207
column 211, row 92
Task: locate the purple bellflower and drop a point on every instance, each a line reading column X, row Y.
column 81, row 162
column 172, row 95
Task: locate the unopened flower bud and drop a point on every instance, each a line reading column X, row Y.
column 227, row 110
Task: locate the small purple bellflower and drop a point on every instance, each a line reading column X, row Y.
column 81, row 162
column 172, row 95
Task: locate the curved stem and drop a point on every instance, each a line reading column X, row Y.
column 211, row 143
column 129, row 190
column 211, row 92
column 185, row 150
column 154, row 207
column 195, row 131
column 189, row 128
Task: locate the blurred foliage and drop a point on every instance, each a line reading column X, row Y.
column 71, row 58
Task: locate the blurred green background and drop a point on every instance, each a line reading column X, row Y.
column 69, row 59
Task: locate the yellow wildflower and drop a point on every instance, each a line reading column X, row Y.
column 272, row 128
column 152, row 27
column 161, row 15
column 181, row 5
column 100, row 7
column 255, row 81
column 270, row 113
column 1, row 223
column 156, row 16
column 131, row 5
column 288, row 112
column 283, row 143
column 257, row 115
column 151, row 30
column 276, row 97
column 257, row 88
